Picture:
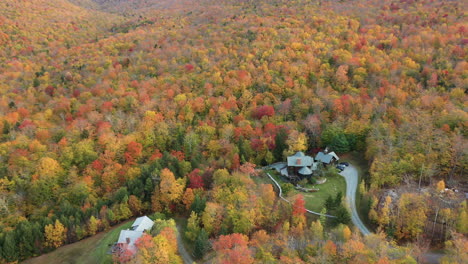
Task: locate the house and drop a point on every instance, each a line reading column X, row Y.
column 128, row 237
column 326, row 157
column 300, row 165
column 142, row 223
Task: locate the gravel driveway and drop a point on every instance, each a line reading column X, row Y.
column 186, row 257
column 351, row 176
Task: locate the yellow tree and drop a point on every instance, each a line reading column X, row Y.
column 193, row 227
column 412, row 215
column 297, row 142
column 462, row 219
column 212, row 218
column 171, row 190
column 135, row 205
column 156, row 250
column 346, row 233
column 93, row 225
column 48, row 168
column 384, row 217
column 316, row 230
column 188, row 198
column 440, row 186
column 55, row 234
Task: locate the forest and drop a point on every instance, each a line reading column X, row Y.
column 114, row 109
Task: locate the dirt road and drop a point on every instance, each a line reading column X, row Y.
column 351, row 176
column 180, row 244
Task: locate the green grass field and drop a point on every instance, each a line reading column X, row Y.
column 92, row 250
column 315, row 201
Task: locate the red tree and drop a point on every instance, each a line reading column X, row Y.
column 133, row 152
column 264, row 110
column 232, row 249
column 299, row 206
column 195, row 179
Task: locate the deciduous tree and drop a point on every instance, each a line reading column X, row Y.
column 55, row 234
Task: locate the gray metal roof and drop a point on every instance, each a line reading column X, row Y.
column 334, row 155
column 300, row 160
column 132, row 236
column 325, row 158
column 142, row 224
column 305, row 171
column 129, row 237
column 299, row 154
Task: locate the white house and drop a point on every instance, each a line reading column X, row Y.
column 128, row 237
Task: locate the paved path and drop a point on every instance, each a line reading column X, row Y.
column 280, row 194
column 180, row 244
column 351, row 176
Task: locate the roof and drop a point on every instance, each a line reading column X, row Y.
column 300, row 160
column 326, row 158
column 334, row 155
column 314, row 167
column 142, row 224
column 299, row 154
column 305, row 171
column 128, row 237
column 133, row 236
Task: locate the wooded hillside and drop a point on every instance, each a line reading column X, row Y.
column 111, row 109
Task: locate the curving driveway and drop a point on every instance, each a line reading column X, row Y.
column 351, row 176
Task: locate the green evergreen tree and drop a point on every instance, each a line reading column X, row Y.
column 329, row 203
column 6, row 127
column 323, row 218
column 10, row 247
column 337, row 201
column 280, row 144
column 342, row 216
column 149, row 186
column 25, row 239
column 198, row 205
column 2, row 238
column 193, row 227
column 340, row 143
column 329, row 134
column 201, row 244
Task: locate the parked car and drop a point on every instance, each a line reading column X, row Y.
column 340, row 167
column 346, row 164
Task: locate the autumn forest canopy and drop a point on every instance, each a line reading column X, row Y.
column 114, row 109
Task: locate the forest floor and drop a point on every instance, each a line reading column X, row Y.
column 92, row 250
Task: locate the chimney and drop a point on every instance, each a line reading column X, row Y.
column 128, row 240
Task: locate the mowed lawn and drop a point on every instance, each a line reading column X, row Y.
column 92, row 250
column 315, row 200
